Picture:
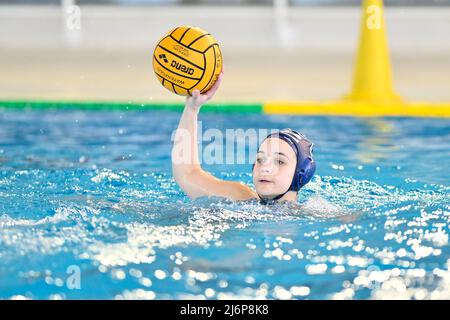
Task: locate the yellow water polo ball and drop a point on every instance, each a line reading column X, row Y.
column 187, row 58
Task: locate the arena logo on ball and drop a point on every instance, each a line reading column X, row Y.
column 182, row 67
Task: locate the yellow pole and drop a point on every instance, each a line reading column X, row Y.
column 372, row 79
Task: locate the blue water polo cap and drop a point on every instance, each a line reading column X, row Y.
column 303, row 148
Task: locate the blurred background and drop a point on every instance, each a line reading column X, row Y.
column 93, row 50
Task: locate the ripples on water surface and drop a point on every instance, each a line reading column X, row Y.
column 92, row 191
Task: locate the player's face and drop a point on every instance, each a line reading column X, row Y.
column 274, row 168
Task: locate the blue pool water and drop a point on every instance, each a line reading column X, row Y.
column 89, row 210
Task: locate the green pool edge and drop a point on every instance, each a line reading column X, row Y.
column 125, row 106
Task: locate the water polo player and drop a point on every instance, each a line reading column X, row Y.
column 284, row 161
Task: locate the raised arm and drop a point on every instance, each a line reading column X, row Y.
column 186, row 167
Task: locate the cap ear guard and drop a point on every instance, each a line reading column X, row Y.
column 305, row 174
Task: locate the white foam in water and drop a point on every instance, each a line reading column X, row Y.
column 322, row 208
column 61, row 214
column 205, row 225
column 134, row 228
column 33, row 236
column 107, row 175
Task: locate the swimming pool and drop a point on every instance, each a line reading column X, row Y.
column 89, row 210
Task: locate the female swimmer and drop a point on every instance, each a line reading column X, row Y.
column 284, row 161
